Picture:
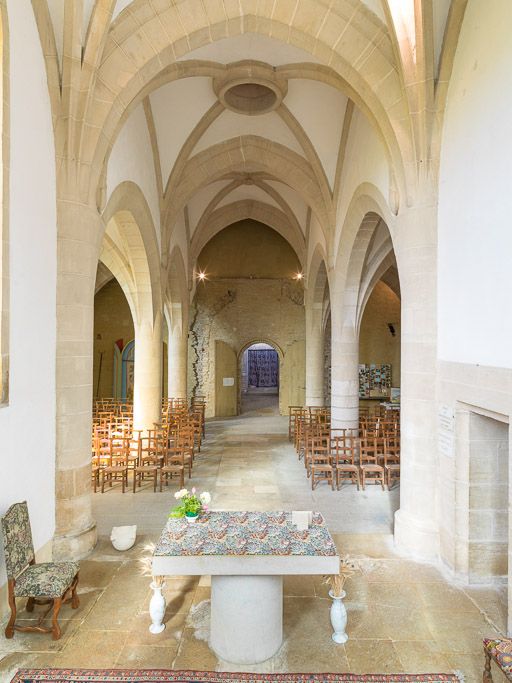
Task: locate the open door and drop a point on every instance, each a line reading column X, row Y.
column 226, row 370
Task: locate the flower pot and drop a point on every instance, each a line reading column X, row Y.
column 338, row 617
column 191, row 519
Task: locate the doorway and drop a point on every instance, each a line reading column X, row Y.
column 259, row 380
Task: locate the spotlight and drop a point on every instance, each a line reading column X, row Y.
column 298, row 276
column 201, row 276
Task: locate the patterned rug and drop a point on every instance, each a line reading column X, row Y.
column 162, row 676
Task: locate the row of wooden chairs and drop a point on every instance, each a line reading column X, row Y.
column 168, row 449
column 337, row 455
column 151, row 456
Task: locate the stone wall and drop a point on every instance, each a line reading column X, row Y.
column 238, row 312
column 249, row 296
column 112, row 322
column 376, row 342
column 327, row 362
column 488, row 498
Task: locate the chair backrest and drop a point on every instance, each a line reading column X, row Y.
column 17, row 538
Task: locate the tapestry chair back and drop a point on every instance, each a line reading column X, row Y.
column 17, row 538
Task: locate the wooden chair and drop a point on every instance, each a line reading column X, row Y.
column 392, row 460
column 368, row 458
column 292, row 417
column 48, row 583
column 116, row 465
column 320, row 467
column 186, row 441
column 174, row 464
column 343, row 450
column 149, row 461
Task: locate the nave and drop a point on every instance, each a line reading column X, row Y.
column 248, row 463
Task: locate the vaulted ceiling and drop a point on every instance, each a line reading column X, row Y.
column 251, row 122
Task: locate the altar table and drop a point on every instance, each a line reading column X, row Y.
column 246, row 554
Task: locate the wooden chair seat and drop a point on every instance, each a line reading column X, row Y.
column 392, row 473
column 373, row 473
column 169, row 471
column 321, row 471
column 347, row 469
column 139, row 473
column 111, row 473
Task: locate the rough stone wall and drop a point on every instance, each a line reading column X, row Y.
column 243, row 310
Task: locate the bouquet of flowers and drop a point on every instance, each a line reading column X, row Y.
column 348, row 567
column 190, row 504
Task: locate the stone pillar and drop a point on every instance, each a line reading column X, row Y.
column 344, row 369
column 314, row 355
column 178, row 359
column 147, row 390
column 77, row 259
column 416, row 523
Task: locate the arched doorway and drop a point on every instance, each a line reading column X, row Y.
column 259, row 379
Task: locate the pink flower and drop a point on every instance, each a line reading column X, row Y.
column 193, row 489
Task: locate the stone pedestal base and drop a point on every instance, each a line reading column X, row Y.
column 75, row 546
column 247, row 617
column 420, row 540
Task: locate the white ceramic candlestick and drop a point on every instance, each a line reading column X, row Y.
column 338, row 617
column 157, row 608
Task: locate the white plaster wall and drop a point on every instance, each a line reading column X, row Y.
column 119, row 7
column 365, row 162
column 27, row 424
column 323, row 122
column 475, row 201
column 230, row 125
column 132, row 159
column 249, row 192
column 293, row 199
column 177, row 109
column 200, row 201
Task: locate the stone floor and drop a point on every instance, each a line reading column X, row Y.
column 260, row 401
column 403, row 616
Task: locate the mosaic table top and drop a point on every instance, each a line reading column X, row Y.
column 245, row 533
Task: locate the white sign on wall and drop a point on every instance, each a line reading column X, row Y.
column 446, row 430
column 228, row 381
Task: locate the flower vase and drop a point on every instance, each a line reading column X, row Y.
column 338, row 617
column 191, row 519
column 157, row 608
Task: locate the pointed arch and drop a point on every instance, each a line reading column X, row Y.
column 129, row 248
column 240, row 210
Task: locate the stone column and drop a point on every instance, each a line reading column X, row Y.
column 314, row 355
column 147, row 389
column 344, row 369
column 78, row 229
column 178, row 359
column 415, row 241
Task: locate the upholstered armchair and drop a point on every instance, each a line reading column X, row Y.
column 499, row 651
column 47, row 583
